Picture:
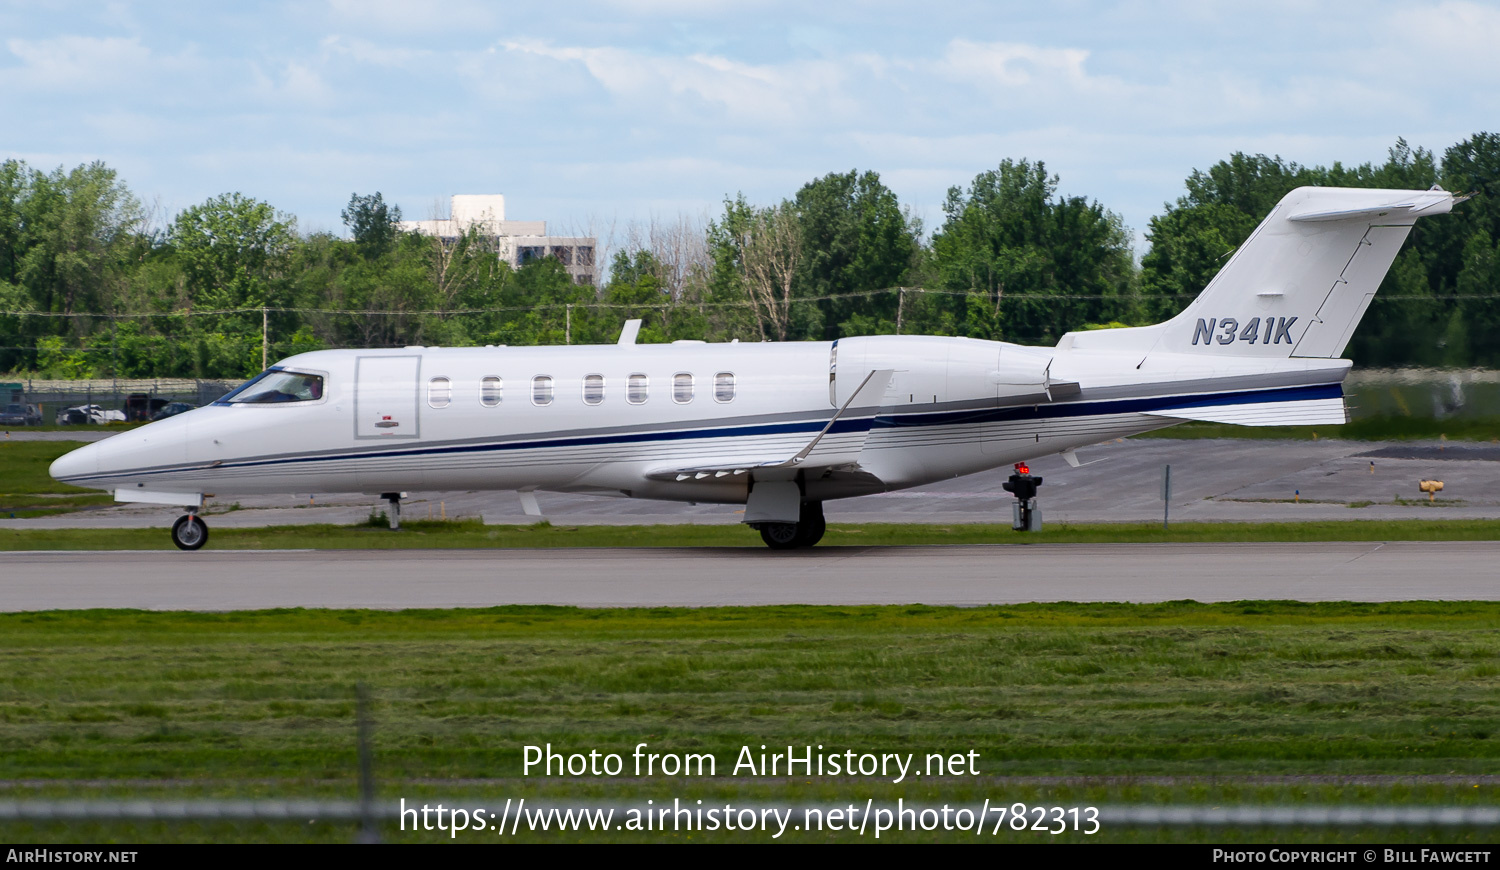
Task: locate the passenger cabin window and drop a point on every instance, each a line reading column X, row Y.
column 274, row 386
column 490, row 391
column 637, row 389
column 724, row 387
column 593, row 389
column 541, row 390
column 439, row 392
column 682, row 388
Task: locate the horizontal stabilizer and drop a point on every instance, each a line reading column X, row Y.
column 1424, row 204
column 1297, row 412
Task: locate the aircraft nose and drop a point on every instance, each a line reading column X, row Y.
column 83, row 462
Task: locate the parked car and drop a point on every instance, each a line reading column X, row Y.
column 83, row 414
column 172, row 410
column 140, row 407
column 18, row 414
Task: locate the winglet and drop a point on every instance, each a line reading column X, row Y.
column 881, row 378
column 628, row 334
column 872, row 389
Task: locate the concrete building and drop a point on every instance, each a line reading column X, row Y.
column 516, row 242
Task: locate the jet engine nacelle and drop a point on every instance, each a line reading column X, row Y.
column 938, row 370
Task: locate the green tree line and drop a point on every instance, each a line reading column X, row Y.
column 91, row 285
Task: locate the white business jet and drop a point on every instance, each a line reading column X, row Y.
column 782, row 428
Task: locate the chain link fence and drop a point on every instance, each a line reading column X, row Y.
column 134, row 399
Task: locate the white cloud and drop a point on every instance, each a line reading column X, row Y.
column 793, row 93
column 78, row 62
column 365, row 51
column 612, row 105
column 1455, row 32
column 1012, row 65
column 405, row 17
column 293, row 84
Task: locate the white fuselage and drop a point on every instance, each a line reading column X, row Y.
column 782, row 427
column 623, row 420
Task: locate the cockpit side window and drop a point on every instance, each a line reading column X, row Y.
column 276, row 386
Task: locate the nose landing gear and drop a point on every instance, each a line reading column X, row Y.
column 394, row 500
column 806, row 531
column 189, row 532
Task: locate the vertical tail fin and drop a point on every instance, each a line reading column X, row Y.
column 1300, row 284
column 1297, row 287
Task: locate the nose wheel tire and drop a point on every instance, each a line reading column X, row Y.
column 189, row 533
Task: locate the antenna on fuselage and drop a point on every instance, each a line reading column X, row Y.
column 631, row 330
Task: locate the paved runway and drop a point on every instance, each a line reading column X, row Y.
column 967, row 576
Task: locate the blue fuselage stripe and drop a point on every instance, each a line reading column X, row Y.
column 1028, row 413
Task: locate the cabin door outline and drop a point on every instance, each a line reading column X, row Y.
column 386, row 405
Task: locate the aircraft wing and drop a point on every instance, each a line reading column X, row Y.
column 834, row 445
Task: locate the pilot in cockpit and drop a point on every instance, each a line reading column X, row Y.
column 278, row 386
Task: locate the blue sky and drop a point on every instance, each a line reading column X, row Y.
column 591, row 114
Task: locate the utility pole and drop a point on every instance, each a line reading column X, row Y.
column 900, row 304
column 264, row 341
column 568, row 328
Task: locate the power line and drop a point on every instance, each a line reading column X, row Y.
column 667, row 305
column 560, row 306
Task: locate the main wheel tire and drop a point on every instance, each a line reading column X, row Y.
column 811, row 533
column 811, row 527
column 781, row 536
column 189, row 533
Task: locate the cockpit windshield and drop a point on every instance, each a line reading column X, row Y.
column 275, row 385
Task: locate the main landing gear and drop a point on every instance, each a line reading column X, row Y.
column 806, row 531
column 189, row 533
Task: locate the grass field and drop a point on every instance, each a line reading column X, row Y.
column 452, row 534
column 1207, row 696
column 26, row 490
column 1254, row 702
column 51, row 426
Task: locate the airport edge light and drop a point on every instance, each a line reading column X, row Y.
column 1026, row 513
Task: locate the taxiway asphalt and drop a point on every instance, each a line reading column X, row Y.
column 959, row 575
